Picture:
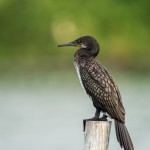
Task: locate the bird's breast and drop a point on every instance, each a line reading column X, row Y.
column 77, row 67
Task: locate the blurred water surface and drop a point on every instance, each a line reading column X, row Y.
column 46, row 111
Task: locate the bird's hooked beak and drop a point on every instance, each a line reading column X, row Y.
column 69, row 44
column 74, row 43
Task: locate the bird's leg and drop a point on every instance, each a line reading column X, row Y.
column 97, row 114
column 95, row 118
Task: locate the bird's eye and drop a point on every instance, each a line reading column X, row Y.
column 79, row 41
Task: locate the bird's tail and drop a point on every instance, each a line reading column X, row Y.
column 123, row 136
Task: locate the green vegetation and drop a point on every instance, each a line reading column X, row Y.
column 30, row 31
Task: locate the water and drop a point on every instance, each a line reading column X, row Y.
column 46, row 111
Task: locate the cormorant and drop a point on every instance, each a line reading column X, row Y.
column 100, row 86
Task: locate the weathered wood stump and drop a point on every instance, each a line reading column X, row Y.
column 96, row 135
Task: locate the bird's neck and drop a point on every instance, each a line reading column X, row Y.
column 84, row 54
column 82, row 58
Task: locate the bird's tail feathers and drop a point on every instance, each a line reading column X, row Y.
column 123, row 136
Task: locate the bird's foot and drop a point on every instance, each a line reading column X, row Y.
column 104, row 118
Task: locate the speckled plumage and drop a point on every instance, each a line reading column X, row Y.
column 100, row 86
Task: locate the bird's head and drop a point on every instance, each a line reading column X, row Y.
column 88, row 46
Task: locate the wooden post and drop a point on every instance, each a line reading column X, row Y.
column 96, row 135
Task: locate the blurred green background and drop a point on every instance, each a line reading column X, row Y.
column 41, row 102
column 31, row 30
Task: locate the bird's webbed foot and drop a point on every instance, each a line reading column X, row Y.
column 104, row 118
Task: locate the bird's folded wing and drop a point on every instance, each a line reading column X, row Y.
column 103, row 89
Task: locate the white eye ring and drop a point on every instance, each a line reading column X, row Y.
column 83, row 46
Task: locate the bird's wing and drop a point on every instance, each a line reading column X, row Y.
column 103, row 90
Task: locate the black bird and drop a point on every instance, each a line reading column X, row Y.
column 100, row 86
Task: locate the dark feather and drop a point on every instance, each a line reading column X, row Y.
column 123, row 136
